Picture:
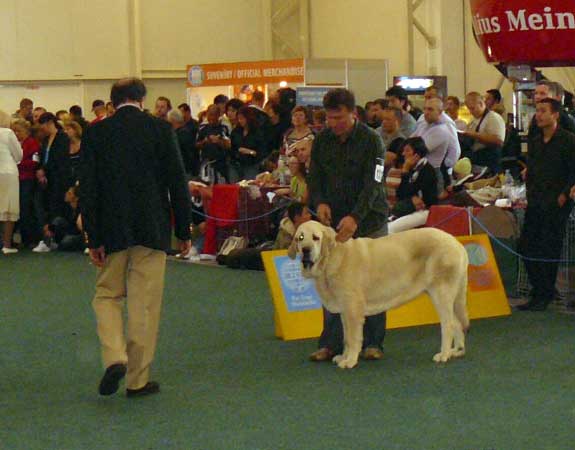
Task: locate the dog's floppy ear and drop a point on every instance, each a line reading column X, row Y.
column 327, row 240
column 292, row 250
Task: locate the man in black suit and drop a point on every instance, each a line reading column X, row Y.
column 132, row 177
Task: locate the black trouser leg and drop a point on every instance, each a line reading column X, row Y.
column 542, row 238
column 332, row 334
column 28, row 222
column 374, row 330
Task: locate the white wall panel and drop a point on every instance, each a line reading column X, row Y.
column 176, row 33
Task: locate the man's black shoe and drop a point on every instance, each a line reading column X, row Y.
column 533, row 305
column 151, row 387
column 111, row 379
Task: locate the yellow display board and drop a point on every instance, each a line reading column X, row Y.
column 298, row 313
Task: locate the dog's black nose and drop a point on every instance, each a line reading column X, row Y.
column 306, row 260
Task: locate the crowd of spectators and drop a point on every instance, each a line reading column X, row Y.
column 261, row 142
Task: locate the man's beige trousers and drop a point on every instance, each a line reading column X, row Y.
column 137, row 275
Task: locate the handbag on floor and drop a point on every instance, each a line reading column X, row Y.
column 230, row 244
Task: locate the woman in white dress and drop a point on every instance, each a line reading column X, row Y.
column 10, row 156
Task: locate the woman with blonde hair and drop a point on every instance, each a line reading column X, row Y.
column 10, row 156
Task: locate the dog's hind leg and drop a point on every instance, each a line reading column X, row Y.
column 461, row 324
column 442, row 297
column 353, row 317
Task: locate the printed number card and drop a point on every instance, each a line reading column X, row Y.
column 298, row 313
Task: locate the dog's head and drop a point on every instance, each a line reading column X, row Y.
column 313, row 241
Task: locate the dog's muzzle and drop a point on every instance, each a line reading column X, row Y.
column 306, row 258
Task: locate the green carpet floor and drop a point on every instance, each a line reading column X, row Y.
column 227, row 383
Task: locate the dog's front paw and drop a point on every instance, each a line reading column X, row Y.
column 345, row 363
column 337, row 358
column 458, row 353
column 441, row 357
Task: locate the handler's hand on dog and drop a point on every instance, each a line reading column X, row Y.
column 324, row 214
column 346, row 229
column 98, row 256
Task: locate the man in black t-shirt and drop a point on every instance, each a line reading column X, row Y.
column 214, row 142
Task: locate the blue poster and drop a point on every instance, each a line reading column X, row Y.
column 310, row 95
column 299, row 292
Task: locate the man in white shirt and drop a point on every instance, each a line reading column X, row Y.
column 453, row 147
column 487, row 130
column 437, row 136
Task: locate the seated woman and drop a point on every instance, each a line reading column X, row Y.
column 418, row 188
column 201, row 195
column 66, row 230
column 298, row 186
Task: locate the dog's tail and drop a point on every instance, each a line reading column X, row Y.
column 460, row 305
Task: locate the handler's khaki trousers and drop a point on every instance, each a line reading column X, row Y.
column 136, row 274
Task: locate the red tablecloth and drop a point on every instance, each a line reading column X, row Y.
column 224, row 208
column 451, row 219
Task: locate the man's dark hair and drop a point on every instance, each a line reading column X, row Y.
column 275, row 107
column 295, row 209
column 26, row 102
column 396, row 111
column 417, row 144
column 235, row 103
column 360, row 114
column 128, row 89
column 258, row 96
column 555, row 104
column 368, row 105
column 49, row 117
column 455, row 100
column 220, row 98
column 397, row 92
column 76, row 110
column 439, row 92
column 185, row 107
column 287, row 97
column 97, row 103
column 495, row 94
column 336, row 98
column 167, row 100
column 383, row 103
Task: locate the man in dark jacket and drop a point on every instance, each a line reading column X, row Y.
column 346, row 189
column 132, row 178
column 550, row 175
column 551, row 89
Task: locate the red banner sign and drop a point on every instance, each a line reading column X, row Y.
column 535, row 32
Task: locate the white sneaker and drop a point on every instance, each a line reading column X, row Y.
column 207, row 257
column 192, row 252
column 87, row 251
column 41, row 248
column 8, row 250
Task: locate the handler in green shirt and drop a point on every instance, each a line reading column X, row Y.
column 346, row 188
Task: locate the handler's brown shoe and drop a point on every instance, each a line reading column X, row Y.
column 372, row 354
column 323, row 354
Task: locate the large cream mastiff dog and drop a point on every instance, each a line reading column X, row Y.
column 362, row 277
